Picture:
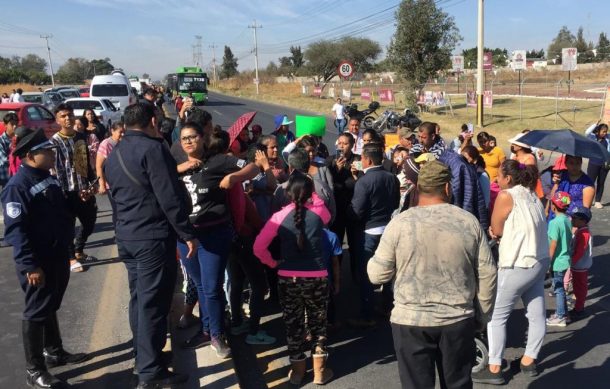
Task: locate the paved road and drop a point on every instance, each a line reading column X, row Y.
column 93, row 318
column 575, row 355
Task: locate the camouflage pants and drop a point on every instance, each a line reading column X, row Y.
column 300, row 297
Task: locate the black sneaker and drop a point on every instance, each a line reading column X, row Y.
column 577, row 315
column 219, row 344
column 487, row 377
column 529, row 370
column 199, row 340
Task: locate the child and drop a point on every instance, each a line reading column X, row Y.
column 560, row 236
column 332, row 251
column 303, row 277
column 582, row 259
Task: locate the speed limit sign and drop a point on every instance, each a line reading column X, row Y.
column 346, row 69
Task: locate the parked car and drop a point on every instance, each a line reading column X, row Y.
column 49, row 100
column 84, row 91
column 114, row 87
column 106, row 112
column 30, row 115
column 69, row 93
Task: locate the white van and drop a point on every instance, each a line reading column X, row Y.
column 114, row 87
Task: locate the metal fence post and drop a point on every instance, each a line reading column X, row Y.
column 557, row 101
column 521, row 99
column 601, row 110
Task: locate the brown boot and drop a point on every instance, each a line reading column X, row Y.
column 297, row 369
column 321, row 374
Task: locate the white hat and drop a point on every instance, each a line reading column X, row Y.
column 515, row 141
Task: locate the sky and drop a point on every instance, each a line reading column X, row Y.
column 156, row 36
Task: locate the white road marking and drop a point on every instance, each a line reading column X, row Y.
column 216, row 112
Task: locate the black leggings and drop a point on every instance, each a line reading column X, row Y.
column 598, row 174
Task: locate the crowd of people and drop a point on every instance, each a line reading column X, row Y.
column 271, row 213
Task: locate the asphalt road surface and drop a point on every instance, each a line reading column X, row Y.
column 93, row 316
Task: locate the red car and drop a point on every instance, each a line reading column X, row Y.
column 84, row 91
column 30, row 115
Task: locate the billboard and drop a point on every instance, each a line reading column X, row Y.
column 365, row 94
column 569, row 58
column 519, row 60
column 488, row 60
column 386, row 95
column 457, row 63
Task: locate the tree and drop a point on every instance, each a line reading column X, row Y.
column 563, row 40
column 296, row 57
column 422, row 44
column 499, row 57
column 535, row 54
column 602, row 48
column 272, row 69
column 229, row 64
column 585, row 53
column 323, row 57
column 74, row 71
column 101, row 66
column 32, row 63
column 145, row 76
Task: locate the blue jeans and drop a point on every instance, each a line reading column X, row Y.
column 560, row 293
column 207, row 270
column 340, row 123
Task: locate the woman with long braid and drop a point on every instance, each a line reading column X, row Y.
column 303, row 276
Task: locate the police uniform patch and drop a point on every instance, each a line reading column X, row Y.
column 13, row 210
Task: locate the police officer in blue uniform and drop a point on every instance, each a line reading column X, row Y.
column 39, row 227
column 151, row 212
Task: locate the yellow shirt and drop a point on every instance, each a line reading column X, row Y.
column 493, row 160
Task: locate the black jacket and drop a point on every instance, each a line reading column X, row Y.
column 376, row 196
column 148, row 198
column 37, row 221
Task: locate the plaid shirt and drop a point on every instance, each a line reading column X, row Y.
column 5, row 148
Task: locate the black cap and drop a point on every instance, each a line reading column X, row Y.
column 32, row 140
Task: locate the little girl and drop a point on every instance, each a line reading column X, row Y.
column 303, row 277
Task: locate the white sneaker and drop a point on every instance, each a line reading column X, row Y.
column 598, row 205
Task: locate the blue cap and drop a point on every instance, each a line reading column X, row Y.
column 281, row 120
column 582, row 212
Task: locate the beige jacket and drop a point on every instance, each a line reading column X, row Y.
column 443, row 268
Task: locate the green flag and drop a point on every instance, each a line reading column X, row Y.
column 310, row 125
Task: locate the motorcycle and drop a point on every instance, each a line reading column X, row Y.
column 389, row 121
column 365, row 116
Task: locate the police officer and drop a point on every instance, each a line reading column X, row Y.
column 39, row 227
column 151, row 210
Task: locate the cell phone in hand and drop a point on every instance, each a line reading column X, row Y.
column 358, row 165
column 470, row 128
column 339, row 154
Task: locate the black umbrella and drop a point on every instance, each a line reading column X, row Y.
column 566, row 142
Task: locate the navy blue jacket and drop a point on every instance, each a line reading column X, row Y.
column 149, row 201
column 376, row 196
column 37, row 221
column 465, row 187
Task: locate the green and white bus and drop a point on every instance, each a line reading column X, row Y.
column 189, row 80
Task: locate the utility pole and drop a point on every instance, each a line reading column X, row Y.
column 254, row 26
column 213, row 47
column 46, row 37
column 197, row 57
column 480, row 72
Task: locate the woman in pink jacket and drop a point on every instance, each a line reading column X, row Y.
column 303, row 278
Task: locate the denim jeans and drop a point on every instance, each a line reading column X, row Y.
column 341, row 123
column 560, row 293
column 207, row 270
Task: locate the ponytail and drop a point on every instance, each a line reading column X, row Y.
column 300, row 189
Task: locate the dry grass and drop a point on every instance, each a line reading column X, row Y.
column 8, row 88
column 503, row 120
